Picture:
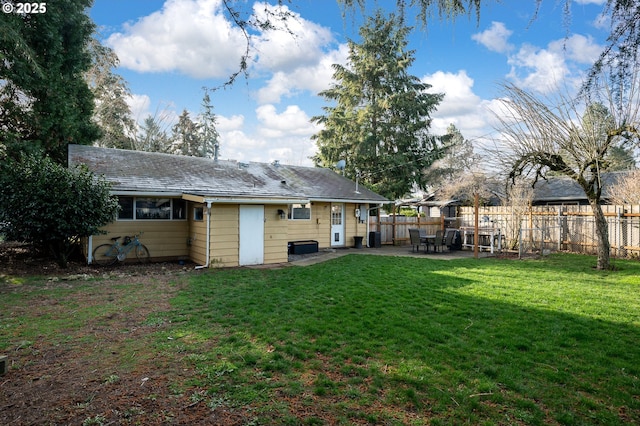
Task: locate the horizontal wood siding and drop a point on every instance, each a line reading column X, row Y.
column 353, row 227
column 198, row 235
column 275, row 235
column 165, row 239
column 318, row 228
column 224, row 235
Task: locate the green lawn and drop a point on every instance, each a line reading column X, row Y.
column 367, row 339
column 393, row 340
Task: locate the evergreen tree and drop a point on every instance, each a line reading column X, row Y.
column 379, row 123
column 45, row 102
column 152, row 137
column 185, row 137
column 110, row 90
column 209, row 134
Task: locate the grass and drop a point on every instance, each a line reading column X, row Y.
column 389, row 340
column 416, row 341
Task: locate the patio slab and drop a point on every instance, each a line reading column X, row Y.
column 386, row 250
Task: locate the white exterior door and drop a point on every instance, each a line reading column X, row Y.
column 251, row 250
column 337, row 225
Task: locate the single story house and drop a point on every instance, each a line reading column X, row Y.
column 226, row 213
column 562, row 190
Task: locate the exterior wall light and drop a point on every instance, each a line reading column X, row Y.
column 282, row 214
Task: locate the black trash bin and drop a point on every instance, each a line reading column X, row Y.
column 375, row 239
column 357, row 242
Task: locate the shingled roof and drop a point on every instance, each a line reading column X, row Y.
column 558, row 189
column 147, row 172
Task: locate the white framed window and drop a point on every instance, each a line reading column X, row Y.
column 150, row 208
column 299, row 211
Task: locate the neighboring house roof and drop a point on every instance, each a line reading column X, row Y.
column 148, row 172
column 564, row 189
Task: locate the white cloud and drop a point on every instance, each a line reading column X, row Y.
column 460, row 106
column 596, row 2
column 537, row 69
column 292, row 122
column 544, row 70
column 314, row 77
column 283, row 136
column 495, row 38
column 188, row 36
column 299, row 43
column 578, row 48
column 228, row 124
column 139, row 105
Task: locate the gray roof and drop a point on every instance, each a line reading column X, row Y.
column 561, row 188
column 146, row 172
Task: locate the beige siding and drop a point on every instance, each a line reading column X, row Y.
column 197, row 235
column 165, row 239
column 224, row 235
column 187, row 239
column 275, row 235
column 319, row 227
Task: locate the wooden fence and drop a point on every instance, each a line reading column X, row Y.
column 570, row 228
column 538, row 228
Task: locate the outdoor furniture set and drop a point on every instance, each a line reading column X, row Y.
column 439, row 241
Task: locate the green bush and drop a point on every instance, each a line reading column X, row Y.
column 51, row 206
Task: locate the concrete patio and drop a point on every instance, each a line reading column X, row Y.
column 385, row 250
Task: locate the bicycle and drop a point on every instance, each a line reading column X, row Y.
column 108, row 254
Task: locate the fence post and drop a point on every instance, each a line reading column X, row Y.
column 620, row 230
column 520, row 245
column 559, row 228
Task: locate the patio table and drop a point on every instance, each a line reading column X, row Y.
column 428, row 239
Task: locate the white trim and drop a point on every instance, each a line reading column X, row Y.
column 255, row 201
column 170, row 194
column 348, row 201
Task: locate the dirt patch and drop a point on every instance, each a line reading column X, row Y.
column 106, row 370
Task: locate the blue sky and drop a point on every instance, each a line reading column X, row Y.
column 170, row 49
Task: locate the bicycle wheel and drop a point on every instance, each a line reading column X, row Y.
column 142, row 253
column 105, row 255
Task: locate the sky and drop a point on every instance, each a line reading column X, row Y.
column 170, row 50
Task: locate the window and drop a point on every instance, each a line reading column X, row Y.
column 133, row 208
column 153, row 208
column 299, row 211
column 179, row 209
column 198, row 213
column 126, row 208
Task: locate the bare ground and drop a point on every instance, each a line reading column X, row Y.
column 103, row 372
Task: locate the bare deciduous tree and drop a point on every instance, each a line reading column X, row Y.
column 627, row 189
column 558, row 136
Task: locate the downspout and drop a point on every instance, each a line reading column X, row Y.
column 90, row 250
column 208, row 248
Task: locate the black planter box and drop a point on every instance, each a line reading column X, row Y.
column 303, row 247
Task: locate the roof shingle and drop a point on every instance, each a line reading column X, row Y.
column 139, row 171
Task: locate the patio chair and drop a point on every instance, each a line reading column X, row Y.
column 416, row 241
column 439, row 240
column 448, row 238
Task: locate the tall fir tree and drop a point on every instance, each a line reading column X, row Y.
column 381, row 114
column 112, row 112
column 46, row 104
column 185, row 137
column 208, row 131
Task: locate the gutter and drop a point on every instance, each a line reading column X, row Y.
column 264, row 201
column 208, row 248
